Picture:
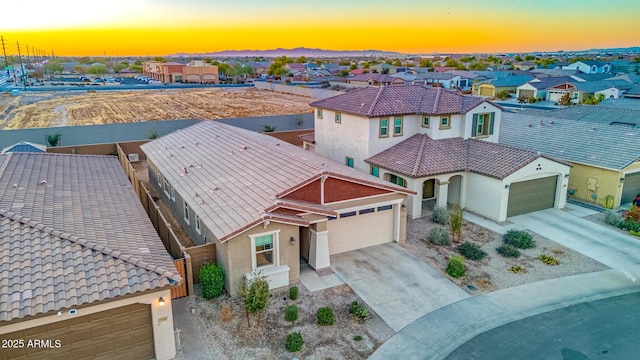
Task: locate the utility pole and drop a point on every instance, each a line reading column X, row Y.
column 4, row 51
column 24, row 79
column 28, row 56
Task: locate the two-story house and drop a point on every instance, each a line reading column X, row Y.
column 439, row 144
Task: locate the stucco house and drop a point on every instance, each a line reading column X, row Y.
column 492, row 88
column 266, row 204
column 605, row 158
column 589, row 66
column 373, row 79
column 439, row 144
column 537, row 88
column 80, row 262
column 582, row 90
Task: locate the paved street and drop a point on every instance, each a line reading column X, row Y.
column 605, row 329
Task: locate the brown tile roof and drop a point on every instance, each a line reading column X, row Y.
column 421, row 156
column 235, row 176
column 310, row 137
column 400, row 100
column 73, row 232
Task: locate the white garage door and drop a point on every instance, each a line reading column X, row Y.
column 193, row 78
column 555, row 96
column 361, row 229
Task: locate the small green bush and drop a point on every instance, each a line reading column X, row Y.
column 291, row 313
column 612, row 218
column 439, row 236
column 325, row 316
column 293, row 293
column 212, row 280
column 516, row 269
column 508, row 251
column 294, row 342
column 455, row 267
column 359, row 311
column 471, row 251
column 549, row 260
column 519, row 239
column 440, row 215
column 629, row 224
column 357, row 338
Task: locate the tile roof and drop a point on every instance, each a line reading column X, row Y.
column 373, row 77
column 596, row 114
column 420, row 156
column 73, row 232
column 310, row 137
column 400, row 100
column 234, row 175
column 513, row 80
column 612, row 147
column 548, row 82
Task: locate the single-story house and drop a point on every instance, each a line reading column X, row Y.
column 375, row 80
column 583, row 90
column 81, row 265
column 266, row 204
column 605, row 158
column 537, row 88
column 509, row 84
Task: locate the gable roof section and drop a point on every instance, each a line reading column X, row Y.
column 400, row 100
column 421, row 156
column 611, row 147
column 233, row 176
column 72, row 232
column 25, row 146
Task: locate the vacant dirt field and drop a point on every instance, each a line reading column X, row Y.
column 106, row 107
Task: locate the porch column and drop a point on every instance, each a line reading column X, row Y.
column 415, row 201
column 443, row 192
column 319, row 246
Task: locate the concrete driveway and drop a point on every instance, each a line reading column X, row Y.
column 598, row 242
column 395, row 284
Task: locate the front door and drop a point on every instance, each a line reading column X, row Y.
column 428, row 189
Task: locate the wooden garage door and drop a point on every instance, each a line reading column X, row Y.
column 631, row 188
column 361, row 230
column 532, row 195
column 121, row 333
column 486, row 91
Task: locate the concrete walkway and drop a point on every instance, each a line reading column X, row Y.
column 191, row 344
column 598, row 242
column 438, row 333
column 399, row 287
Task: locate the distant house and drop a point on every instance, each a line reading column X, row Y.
column 383, row 68
column 375, row 80
column 537, row 88
column 509, row 84
column 625, row 66
column 580, row 91
column 80, row 262
column 524, row 65
column 589, row 67
column 196, row 71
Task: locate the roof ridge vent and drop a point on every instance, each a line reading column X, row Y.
column 43, row 182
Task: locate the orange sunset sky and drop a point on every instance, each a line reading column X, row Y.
column 161, row 27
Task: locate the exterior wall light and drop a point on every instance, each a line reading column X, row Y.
column 292, row 240
column 506, row 186
column 566, row 176
column 161, row 301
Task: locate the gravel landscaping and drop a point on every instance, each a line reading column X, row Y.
column 492, row 273
column 231, row 338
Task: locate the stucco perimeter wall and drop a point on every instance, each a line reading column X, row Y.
column 486, row 196
column 607, row 183
column 297, row 90
column 239, row 254
column 161, row 319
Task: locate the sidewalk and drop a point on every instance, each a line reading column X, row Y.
column 191, row 345
column 437, row 334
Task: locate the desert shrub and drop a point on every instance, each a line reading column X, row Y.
column 212, row 280
column 357, row 338
column 532, row 100
column 225, row 313
column 516, row 269
column 456, row 222
column 455, row 267
column 440, row 215
column 359, row 311
column 471, row 251
column 633, row 213
column 508, row 251
column 612, row 218
column 549, row 260
column 294, row 342
column 503, row 95
column 439, row 236
column 293, row 293
column 519, row 239
column 291, row 313
column 325, row 316
column 630, row 225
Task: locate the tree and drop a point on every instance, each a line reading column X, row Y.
column 223, row 68
column 344, row 62
column 53, row 139
column 138, row 62
column 480, row 65
column 79, row 69
column 343, row 73
column 397, row 63
column 636, row 59
column 120, row 66
column 256, row 296
column 301, row 60
column 565, row 99
column 159, row 58
column 503, row 95
column 468, row 59
column 518, row 58
column 353, row 66
column 451, row 63
column 98, row 69
column 385, row 71
column 426, row 63
column 594, row 100
column 53, row 67
column 529, row 57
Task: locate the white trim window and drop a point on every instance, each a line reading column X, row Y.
column 173, row 194
column 167, row 187
column 159, row 179
column 198, row 226
column 265, row 250
column 186, row 212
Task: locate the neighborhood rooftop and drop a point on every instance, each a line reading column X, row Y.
column 612, row 147
column 400, row 100
column 594, row 114
column 422, row 156
column 232, row 177
column 73, row 232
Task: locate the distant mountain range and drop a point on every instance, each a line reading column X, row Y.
column 296, row 52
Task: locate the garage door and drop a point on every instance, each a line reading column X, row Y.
column 360, row 230
column 631, row 187
column 532, row 195
column 527, row 93
column 121, row 333
column 555, row 96
column 486, row 91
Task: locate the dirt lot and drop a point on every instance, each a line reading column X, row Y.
column 234, row 340
column 72, row 108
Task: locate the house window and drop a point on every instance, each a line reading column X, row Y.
column 375, row 171
column 338, row 118
column 349, row 161
column 444, row 122
column 265, row 250
column 366, row 211
column 425, row 122
column 159, row 179
column 397, row 127
column 167, row 187
column 186, row 212
column 575, row 95
column 385, row 207
column 396, row 180
column 482, row 125
column 198, row 228
column 347, row 214
column 384, row 128
column 319, row 112
column 173, row 194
